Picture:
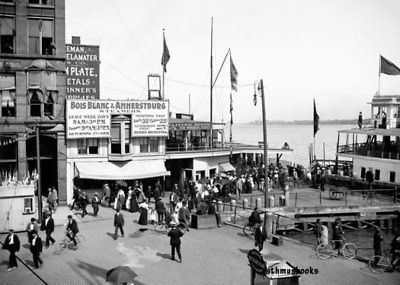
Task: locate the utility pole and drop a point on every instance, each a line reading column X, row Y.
column 39, row 184
column 265, row 143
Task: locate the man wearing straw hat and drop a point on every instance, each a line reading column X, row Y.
column 175, row 241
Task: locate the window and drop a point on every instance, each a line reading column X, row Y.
column 7, row 95
column 88, row 146
column 392, row 176
column 148, row 144
column 363, row 172
column 120, row 134
column 41, row 35
column 49, row 104
column 35, row 103
column 28, row 205
column 7, row 32
column 377, row 174
column 41, row 2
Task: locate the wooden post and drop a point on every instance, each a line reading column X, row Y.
column 395, row 195
column 234, row 216
column 345, row 198
column 320, row 197
column 295, row 201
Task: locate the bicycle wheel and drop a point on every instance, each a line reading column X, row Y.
column 349, row 250
column 80, row 241
column 248, row 230
column 378, row 264
column 324, row 251
column 60, row 248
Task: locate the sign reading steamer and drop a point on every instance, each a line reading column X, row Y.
column 92, row 118
column 83, row 71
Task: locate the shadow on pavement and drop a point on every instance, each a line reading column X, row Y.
column 245, row 251
column 29, row 262
column 27, row 245
column 4, row 262
column 163, row 255
column 111, row 235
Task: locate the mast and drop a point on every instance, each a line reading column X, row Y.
column 211, row 85
column 163, row 68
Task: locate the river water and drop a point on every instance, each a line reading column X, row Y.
column 299, row 138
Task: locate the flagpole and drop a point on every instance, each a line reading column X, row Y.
column 379, row 76
column 163, row 66
column 211, row 85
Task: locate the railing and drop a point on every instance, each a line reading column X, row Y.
column 371, row 151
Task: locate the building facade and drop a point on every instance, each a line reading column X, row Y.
column 32, row 92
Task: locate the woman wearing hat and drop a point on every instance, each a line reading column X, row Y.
column 175, row 235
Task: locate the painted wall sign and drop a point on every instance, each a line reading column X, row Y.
column 92, row 118
column 83, row 71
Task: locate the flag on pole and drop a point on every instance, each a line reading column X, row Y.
column 388, row 67
column 165, row 55
column 234, row 76
column 316, row 119
column 231, row 110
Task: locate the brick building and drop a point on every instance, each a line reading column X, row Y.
column 32, row 92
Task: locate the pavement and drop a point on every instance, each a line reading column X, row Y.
column 213, row 256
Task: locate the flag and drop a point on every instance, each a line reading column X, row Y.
column 165, row 56
column 234, row 76
column 388, row 67
column 316, row 119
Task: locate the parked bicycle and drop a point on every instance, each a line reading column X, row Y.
column 348, row 249
column 382, row 263
column 66, row 244
column 249, row 230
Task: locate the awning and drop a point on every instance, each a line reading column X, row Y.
column 104, row 170
column 225, row 167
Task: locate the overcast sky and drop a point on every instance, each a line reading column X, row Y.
column 302, row 49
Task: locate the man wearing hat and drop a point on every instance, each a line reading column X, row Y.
column 175, row 234
column 36, row 248
column 337, row 235
column 95, row 204
column 12, row 244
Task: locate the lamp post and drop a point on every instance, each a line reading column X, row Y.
column 39, row 186
column 259, row 86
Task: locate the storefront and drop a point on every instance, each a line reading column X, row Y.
column 111, row 140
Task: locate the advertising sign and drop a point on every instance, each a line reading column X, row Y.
column 83, row 71
column 256, row 261
column 92, row 118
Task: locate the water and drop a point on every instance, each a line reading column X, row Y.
column 299, row 138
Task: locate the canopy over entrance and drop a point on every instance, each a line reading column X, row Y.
column 104, row 170
column 225, row 167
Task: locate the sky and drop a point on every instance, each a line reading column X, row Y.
column 301, row 49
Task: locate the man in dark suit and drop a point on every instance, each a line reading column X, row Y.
column 159, row 187
column 48, row 226
column 118, row 223
column 36, row 249
column 175, row 241
column 72, row 229
column 83, row 201
column 12, row 244
column 95, row 204
column 156, row 193
column 160, row 209
column 260, row 235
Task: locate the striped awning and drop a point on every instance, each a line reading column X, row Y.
column 225, row 167
column 105, row 170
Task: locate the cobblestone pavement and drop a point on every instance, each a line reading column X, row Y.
column 215, row 256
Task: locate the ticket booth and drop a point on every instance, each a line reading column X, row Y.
column 17, row 207
column 271, row 272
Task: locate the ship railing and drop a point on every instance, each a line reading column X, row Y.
column 375, row 151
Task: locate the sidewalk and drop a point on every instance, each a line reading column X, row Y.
column 216, row 256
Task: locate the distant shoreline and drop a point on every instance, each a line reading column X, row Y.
column 308, row 122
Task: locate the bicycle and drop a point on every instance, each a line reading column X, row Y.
column 161, row 227
column 249, row 230
column 66, row 243
column 348, row 249
column 381, row 263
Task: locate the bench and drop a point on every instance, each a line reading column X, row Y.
column 201, row 222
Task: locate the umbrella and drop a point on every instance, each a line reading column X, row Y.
column 121, row 275
column 121, row 183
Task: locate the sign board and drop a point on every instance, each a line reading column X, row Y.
column 83, row 71
column 257, row 261
column 189, row 126
column 92, row 118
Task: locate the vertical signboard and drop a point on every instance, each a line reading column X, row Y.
column 83, row 71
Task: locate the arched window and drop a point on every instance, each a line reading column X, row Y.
column 35, row 103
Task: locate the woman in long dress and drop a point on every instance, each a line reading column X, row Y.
column 134, row 203
column 143, row 214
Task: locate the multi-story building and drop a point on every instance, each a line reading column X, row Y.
column 32, row 92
